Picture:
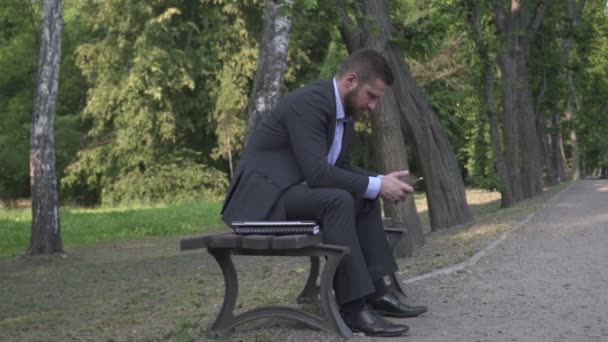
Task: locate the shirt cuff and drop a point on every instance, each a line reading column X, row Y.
column 373, row 187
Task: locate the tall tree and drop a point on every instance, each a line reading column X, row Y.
column 517, row 27
column 153, row 72
column 541, row 119
column 491, row 107
column 46, row 228
column 573, row 15
column 272, row 61
column 591, row 63
column 389, row 139
column 444, row 186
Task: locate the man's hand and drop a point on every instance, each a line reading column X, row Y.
column 392, row 188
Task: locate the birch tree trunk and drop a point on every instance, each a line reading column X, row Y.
column 46, row 230
column 444, row 186
column 272, row 61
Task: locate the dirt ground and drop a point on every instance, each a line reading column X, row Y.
column 150, row 291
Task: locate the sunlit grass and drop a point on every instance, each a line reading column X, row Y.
column 84, row 226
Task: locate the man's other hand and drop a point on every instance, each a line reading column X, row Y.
column 392, row 188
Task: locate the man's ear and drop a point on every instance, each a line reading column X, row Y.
column 351, row 80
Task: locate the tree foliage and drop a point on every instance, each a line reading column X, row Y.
column 153, row 95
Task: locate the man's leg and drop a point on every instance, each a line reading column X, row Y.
column 336, row 211
column 380, row 261
column 375, row 247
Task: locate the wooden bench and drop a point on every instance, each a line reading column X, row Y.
column 222, row 246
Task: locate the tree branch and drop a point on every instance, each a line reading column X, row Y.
column 539, row 16
column 349, row 31
column 539, row 98
column 499, row 16
column 580, row 7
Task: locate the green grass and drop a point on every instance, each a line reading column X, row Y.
column 90, row 226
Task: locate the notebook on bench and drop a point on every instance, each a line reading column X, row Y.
column 275, row 227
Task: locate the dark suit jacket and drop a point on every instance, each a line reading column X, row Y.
column 288, row 147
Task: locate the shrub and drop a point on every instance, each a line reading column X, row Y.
column 166, row 183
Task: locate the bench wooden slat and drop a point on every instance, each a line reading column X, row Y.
column 398, row 231
column 296, row 241
column 195, row 242
column 257, row 241
column 229, row 240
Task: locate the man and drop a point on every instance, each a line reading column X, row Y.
column 296, row 166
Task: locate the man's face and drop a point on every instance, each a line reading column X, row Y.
column 363, row 97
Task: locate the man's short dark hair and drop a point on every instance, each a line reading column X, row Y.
column 368, row 64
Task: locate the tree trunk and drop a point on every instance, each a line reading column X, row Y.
column 552, row 177
column 517, row 28
column 491, row 108
column 510, row 132
column 570, row 116
column 389, row 138
column 558, row 158
column 444, row 186
column 541, row 129
column 506, row 26
column 530, row 157
column 392, row 156
column 46, row 230
column 272, row 61
column 575, row 8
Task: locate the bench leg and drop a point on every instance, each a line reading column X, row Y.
column 393, row 237
column 223, row 322
column 311, row 290
column 328, row 301
column 331, row 322
column 395, row 285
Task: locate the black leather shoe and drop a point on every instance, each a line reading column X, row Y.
column 390, row 305
column 371, row 324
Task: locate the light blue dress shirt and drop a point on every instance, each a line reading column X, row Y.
column 373, row 186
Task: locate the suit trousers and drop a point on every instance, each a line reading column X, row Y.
column 346, row 221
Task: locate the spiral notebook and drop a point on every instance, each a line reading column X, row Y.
column 276, row 227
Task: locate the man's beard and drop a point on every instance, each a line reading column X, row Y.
column 349, row 102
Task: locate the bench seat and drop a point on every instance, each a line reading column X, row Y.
column 223, row 245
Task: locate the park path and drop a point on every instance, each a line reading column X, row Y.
column 547, row 281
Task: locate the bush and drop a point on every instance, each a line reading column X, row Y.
column 491, row 183
column 166, row 183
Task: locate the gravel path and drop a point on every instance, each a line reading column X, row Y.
column 546, row 282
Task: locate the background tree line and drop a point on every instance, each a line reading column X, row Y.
column 156, row 98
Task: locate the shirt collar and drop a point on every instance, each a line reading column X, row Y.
column 339, row 108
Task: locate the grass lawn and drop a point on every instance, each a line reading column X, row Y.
column 90, row 226
column 81, row 226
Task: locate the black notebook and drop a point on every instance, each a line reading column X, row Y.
column 276, row 227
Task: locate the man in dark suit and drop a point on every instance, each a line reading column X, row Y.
column 296, row 166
